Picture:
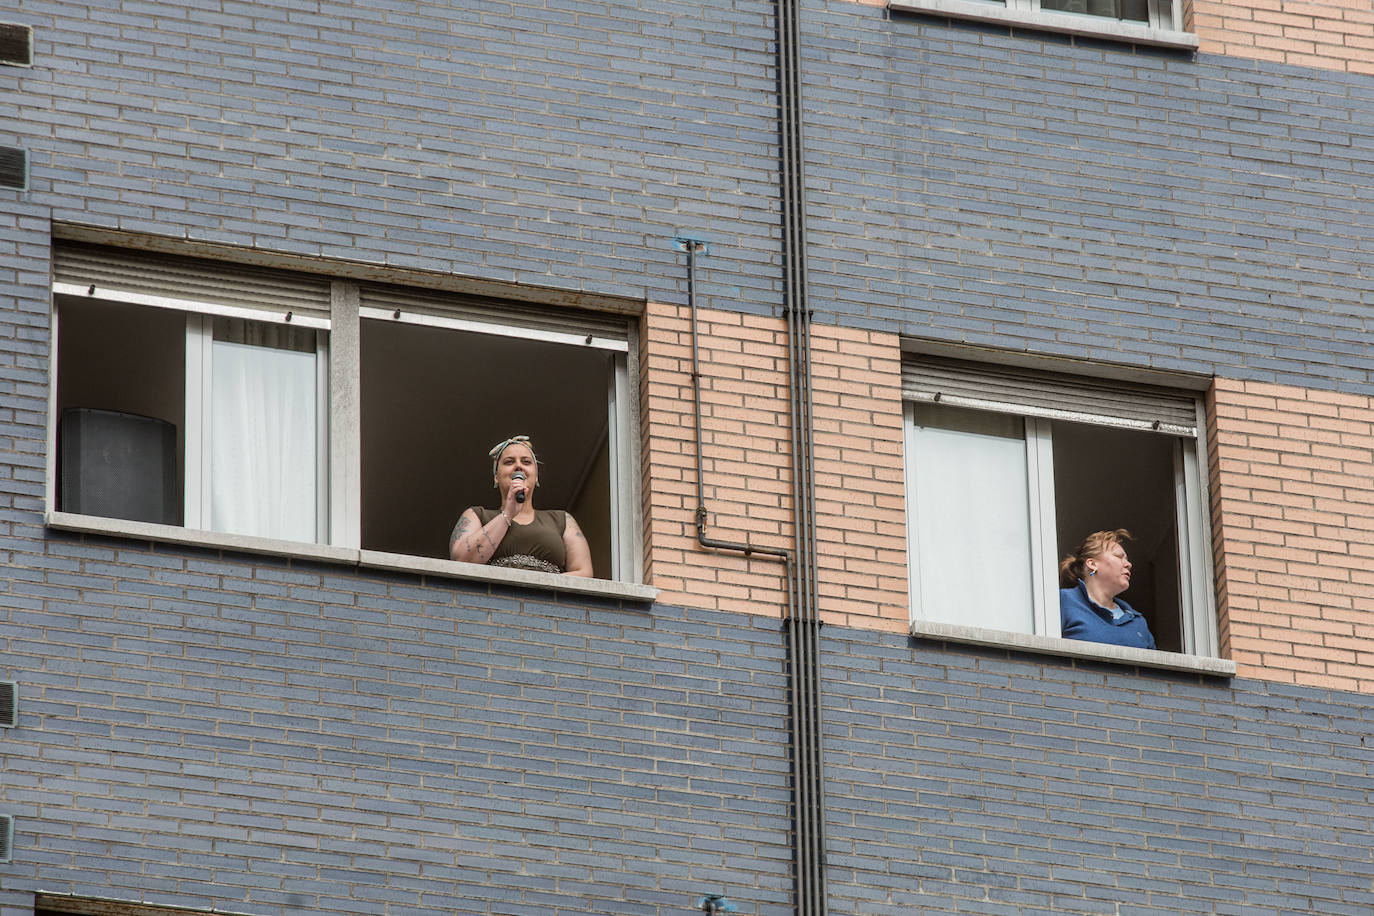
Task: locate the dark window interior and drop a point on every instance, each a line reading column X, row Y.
column 125, row 359
column 435, row 400
column 1108, row 478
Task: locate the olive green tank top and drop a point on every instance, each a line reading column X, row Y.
column 537, row 546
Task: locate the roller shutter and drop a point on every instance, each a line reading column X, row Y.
column 192, row 284
column 1079, row 399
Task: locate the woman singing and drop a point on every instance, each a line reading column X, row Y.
column 517, row 535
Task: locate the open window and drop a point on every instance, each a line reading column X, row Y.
column 1147, row 22
column 1009, row 469
column 445, row 378
column 219, row 398
column 204, row 408
column 1160, row 14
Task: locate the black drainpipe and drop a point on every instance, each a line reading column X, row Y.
column 800, row 615
column 808, row 791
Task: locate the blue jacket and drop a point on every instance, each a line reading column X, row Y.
column 1082, row 618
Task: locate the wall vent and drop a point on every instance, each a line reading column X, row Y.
column 9, row 704
column 6, row 836
column 16, row 44
column 14, row 168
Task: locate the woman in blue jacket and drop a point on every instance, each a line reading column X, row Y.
column 1093, row 576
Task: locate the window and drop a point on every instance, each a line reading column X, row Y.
column 1157, row 13
column 208, row 413
column 1151, row 22
column 1009, row 469
column 352, row 415
column 443, row 379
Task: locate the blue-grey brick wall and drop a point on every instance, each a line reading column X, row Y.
column 1089, row 200
column 965, row 184
column 25, row 248
column 980, row 781
column 223, row 731
column 550, row 143
column 270, row 737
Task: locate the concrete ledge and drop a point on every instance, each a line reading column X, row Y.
column 1073, row 648
column 1051, row 21
column 601, row 588
column 218, row 540
column 348, row 556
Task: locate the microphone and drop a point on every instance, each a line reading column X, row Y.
column 519, row 475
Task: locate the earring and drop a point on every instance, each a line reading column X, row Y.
column 1091, row 573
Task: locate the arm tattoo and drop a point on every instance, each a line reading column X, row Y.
column 462, row 532
column 459, row 530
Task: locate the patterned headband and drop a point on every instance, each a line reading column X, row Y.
column 498, row 448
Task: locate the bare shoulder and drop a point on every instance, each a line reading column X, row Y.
column 466, row 522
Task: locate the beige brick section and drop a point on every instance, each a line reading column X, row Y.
column 1293, row 512
column 856, row 406
column 746, row 457
column 1326, row 34
column 746, row 426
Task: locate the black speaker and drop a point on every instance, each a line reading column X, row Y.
column 117, row 465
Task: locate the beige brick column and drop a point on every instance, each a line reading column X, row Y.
column 860, row 520
column 860, row 507
column 1325, row 34
column 746, row 457
column 1293, row 516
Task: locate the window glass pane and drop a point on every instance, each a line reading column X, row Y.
column 262, row 439
column 122, row 366
column 261, row 334
column 972, row 519
column 1111, row 478
column 1135, row 10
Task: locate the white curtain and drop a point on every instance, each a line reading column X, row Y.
column 263, row 463
column 973, row 535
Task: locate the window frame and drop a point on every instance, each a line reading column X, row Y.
column 338, row 383
column 1198, row 619
column 196, row 419
column 626, row 562
column 1164, row 30
column 1162, row 13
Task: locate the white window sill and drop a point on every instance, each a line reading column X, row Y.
column 1074, row 648
column 348, row 556
column 1051, row 21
